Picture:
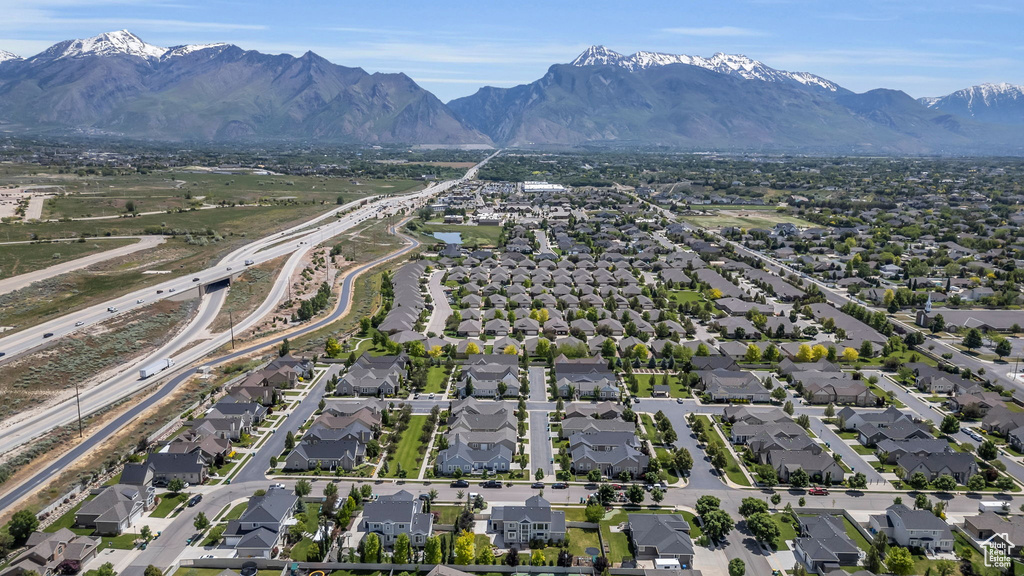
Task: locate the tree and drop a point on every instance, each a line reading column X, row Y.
column 788, row 407
column 465, row 548
column 605, row 494
column 512, row 558
column 973, row 339
column 750, row 506
column 152, row 571
column 737, row 567
column 706, row 504
column 594, row 475
column 950, row 424
column 858, row 480
column 818, row 352
column 289, row 441
column 537, row 557
column 371, row 549
column 332, row 348
column 899, row 561
column 1004, row 348
column 918, row 481
column 657, row 495
column 683, row 460
column 938, row 324
column 303, row 488
column 717, row 524
column 988, row 450
column 779, row 394
column 538, row 475
column 285, row 348
column 976, row 483
column 146, row 533
column 432, row 550
column 1004, row 483
column 402, row 549
column 176, row 485
column 771, row 354
column 22, row 525
column 873, row 561
column 803, row 353
column 763, row 527
column 867, row 349
column 201, row 522
column 635, row 493
column 850, row 354
column 944, row 483
column 472, row 348
column 798, row 478
column 753, row 354
column 594, row 513
column 486, row 556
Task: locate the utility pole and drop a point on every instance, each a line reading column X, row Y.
column 78, row 402
column 231, row 322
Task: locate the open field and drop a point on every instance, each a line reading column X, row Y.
column 471, row 234
column 37, row 377
column 94, row 196
column 18, row 259
column 746, row 219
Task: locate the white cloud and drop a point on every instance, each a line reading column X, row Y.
column 714, row 32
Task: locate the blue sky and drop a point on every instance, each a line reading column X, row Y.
column 454, row 47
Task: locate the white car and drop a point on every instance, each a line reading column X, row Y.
column 139, row 301
column 79, row 323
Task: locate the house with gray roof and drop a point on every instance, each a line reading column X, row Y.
column 823, row 544
column 611, row 453
column 584, row 425
column 914, row 528
column 50, row 553
column 724, row 385
column 329, row 454
column 535, row 521
column 394, row 514
column 961, row 466
column 891, row 451
column 113, row 510
column 661, row 536
column 820, row 467
column 263, row 525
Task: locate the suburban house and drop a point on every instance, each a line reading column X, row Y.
column 49, row 554
column 260, row 529
column 732, row 385
column 961, row 466
column 521, row 525
column 600, row 410
column 820, row 467
column 1002, row 420
column 661, row 536
column 328, row 454
column 394, row 514
column 914, row 528
column 191, row 467
column 851, row 419
column 581, row 377
column 611, row 453
column 823, row 544
column 989, row 524
column 891, row 451
column 582, row 425
column 872, row 434
column 113, row 510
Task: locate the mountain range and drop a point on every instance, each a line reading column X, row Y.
column 116, row 84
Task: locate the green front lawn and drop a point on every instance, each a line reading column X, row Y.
column 449, row 514
column 409, row 451
column 236, row 512
column 863, row 450
column 436, row 380
column 787, row 530
column 648, row 381
column 168, row 502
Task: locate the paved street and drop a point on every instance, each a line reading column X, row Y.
column 540, row 443
column 850, row 457
column 442, row 310
column 538, row 385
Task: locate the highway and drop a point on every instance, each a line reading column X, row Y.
column 297, row 241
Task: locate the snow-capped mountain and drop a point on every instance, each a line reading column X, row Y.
column 732, row 64
column 119, row 42
column 1001, row 103
column 5, row 56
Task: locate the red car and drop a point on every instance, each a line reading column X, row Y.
column 818, row 492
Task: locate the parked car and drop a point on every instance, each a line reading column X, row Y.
column 195, row 500
column 818, row 492
column 460, row 484
column 491, row 484
column 560, row 485
column 537, row 485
